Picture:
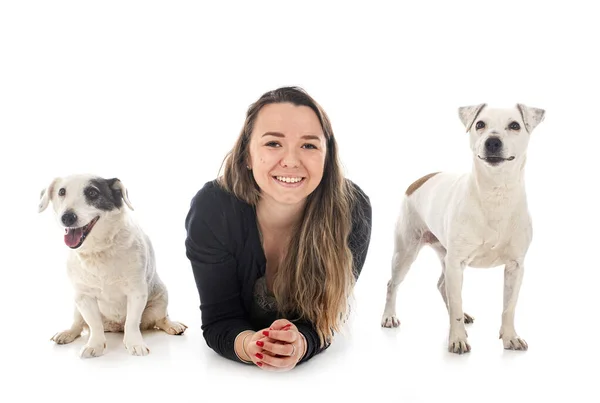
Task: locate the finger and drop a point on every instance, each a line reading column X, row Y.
column 280, row 349
column 261, row 342
column 278, row 362
column 257, row 346
column 279, row 324
column 281, row 335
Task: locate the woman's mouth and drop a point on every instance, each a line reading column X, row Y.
column 289, row 181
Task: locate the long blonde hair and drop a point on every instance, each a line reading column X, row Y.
column 316, row 276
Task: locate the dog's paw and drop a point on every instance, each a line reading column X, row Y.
column 138, row 349
column 136, row 346
column 390, row 321
column 458, row 344
column 469, row 319
column 175, row 328
column 65, row 337
column 513, row 342
column 91, row 350
column 170, row 326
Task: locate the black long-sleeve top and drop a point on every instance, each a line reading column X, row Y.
column 226, row 255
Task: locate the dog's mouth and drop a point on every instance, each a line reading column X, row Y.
column 74, row 237
column 493, row 160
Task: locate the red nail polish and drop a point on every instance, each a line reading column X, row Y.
column 259, row 364
column 260, row 343
column 259, row 356
column 286, row 327
column 266, row 332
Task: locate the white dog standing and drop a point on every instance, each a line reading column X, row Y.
column 111, row 265
column 479, row 219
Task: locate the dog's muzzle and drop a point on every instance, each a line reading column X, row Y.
column 494, row 151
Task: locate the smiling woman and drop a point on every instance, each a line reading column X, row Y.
column 277, row 242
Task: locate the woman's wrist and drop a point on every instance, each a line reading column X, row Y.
column 240, row 346
column 304, row 346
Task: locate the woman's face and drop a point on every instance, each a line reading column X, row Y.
column 287, row 152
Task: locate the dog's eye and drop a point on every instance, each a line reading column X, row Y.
column 514, row 126
column 480, row 125
column 92, row 193
column 62, row 192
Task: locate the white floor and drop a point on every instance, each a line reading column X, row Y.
column 557, row 315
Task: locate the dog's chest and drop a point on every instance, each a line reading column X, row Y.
column 496, row 241
column 101, row 277
column 489, row 255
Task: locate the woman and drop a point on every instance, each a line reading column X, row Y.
column 277, row 242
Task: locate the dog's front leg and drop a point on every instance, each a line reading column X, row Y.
column 513, row 277
column 136, row 303
column 457, row 341
column 88, row 307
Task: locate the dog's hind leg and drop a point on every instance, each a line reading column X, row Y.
column 441, row 285
column 407, row 246
column 155, row 315
column 67, row 336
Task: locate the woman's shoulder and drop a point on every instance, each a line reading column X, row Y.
column 212, row 196
column 209, row 193
column 216, row 206
column 359, row 196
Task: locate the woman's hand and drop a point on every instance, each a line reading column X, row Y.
column 278, row 348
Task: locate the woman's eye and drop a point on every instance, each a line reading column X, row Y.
column 272, row 144
column 310, row 146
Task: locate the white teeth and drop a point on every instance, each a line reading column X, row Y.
column 288, row 179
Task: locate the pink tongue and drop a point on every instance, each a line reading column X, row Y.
column 73, row 237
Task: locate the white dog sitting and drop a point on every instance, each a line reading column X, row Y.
column 111, row 265
column 479, row 219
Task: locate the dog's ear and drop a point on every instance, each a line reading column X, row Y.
column 531, row 116
column 119, row 191
column 468, row 114
column 45, row 195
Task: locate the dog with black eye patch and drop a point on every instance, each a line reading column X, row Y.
column 111, row 265
column 478, row 219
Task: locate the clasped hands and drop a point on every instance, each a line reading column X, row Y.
column 278, row 348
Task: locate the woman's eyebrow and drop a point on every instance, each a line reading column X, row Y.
column 281, row 135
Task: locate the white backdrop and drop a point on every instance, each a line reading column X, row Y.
column 155, row 93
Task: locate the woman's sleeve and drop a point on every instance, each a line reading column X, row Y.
column 215, row 272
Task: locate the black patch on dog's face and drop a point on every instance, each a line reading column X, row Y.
column 101, row 195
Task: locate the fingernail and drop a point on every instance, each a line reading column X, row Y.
column 259, row 356
column 260, row 343
column 266, row 332
column 286, row 327
column 259, row 364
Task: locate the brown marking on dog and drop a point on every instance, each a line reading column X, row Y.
column 418, row 183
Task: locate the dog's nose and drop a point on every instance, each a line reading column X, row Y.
column 69, row 218
column 493, row 145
